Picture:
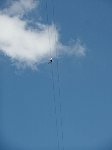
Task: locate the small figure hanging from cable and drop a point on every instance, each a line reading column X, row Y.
column 50, row 61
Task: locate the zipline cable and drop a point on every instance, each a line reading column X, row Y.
column 58, row 79
column 55, row 108
column 53, row 82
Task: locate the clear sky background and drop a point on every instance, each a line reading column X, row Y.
column 27, row 119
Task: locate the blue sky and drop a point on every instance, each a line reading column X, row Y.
column 27, row 109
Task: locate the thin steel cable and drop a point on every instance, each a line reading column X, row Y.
column 53, row 82
column 55, row 108
column 58, row 79
column 47, row 17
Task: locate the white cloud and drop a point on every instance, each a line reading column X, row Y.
column 26, row 45
column 20, row 7
column 77, row 48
